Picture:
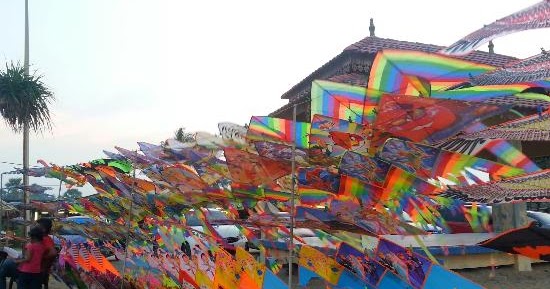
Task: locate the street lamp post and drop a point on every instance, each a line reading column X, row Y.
column 1, row 201
column 26, row 193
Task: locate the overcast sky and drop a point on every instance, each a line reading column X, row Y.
column 128, row 71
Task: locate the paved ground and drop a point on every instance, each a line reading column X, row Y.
column 508, row 278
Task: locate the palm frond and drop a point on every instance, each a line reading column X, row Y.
column 24, row 99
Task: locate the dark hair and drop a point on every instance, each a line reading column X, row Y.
column 36, row 233
column 3, row 255
column 46, row 224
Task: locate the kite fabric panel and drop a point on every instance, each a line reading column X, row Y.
column 212, row 169
column 388, row 265
column 265, row 128
column 404, row 191
column 533, row 69
column 318, row 178
column 343, row 101
column 317, row 184
column 416, row 270
column 441, row 278
column 183, row 177
column 530, row 187
column 253, row 269
column 282, row 152
column 533, row 17
column 153, row 151
column 118, row 165
column 534, row 127
column 530, row 241
column 365, row 168
column 366, row 193
column 232, row 131
column 331, row 137
column 427, row 119
column 410, row 266
column 253, row 169
column 138, row 159
column 511, row 155
column 365, row 267
column 227, row 273
column 319, row 263
column 432, row 163
column 419, row 73
column 505, row 151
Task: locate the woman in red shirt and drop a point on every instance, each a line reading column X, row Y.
column 29, row 267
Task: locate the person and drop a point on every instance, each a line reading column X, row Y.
column 3, row 257
column 30, row 276
column 186, row 248
column 50, row 253
column 8, row 268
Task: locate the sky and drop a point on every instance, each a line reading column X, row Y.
column 128, row 71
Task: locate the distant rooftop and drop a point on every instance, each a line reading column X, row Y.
column 375, row 44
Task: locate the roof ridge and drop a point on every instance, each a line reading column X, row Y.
column 388, row 41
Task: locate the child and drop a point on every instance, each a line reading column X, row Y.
column 50, row 252
column 29, row 267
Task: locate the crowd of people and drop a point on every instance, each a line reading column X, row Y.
column 32, row 269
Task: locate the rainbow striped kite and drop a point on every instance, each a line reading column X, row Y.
column 354, row 103
column 432, row 163
column 265, row 128
column 419, row 73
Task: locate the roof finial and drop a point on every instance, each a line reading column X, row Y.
column 371, row 28
column 491, row 47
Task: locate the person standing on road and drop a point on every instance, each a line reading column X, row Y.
column 50, row 252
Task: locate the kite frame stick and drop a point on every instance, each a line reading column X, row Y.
column 128, row 230
column 292, row 204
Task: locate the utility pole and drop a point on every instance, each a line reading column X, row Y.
column 292, row 204
column 26, row 193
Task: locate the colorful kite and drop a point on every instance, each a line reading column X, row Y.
column 342, row 101
column 419, row 73
column 532, row 17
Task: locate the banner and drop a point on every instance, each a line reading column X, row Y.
column 231, row 131
column 534, row 17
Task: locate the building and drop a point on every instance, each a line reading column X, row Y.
column 353, row 65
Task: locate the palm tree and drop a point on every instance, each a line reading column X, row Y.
column 181, row 135
column 24, row 101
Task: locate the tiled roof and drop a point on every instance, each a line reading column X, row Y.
column 519, row 102
column 375, row 44
column 367, row 48
column 357, row 79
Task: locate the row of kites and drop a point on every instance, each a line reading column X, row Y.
column 406, row 143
